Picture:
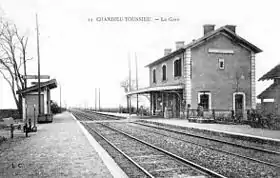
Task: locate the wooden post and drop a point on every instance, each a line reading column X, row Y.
column 26, row 131
column 188, row 111
column 151, row 103
column 162, row 108
column 214, row 114
column 38, row 54
column 12, row 131
column 136, row 83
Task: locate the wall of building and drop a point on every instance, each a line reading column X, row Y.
column 206, row 75
column 169, row 73
column 31, row 100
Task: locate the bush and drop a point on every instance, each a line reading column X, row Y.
column 2, row 139
column 258, row 119
column 54, row 107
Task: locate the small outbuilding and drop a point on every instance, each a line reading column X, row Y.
column 270, row 97
column 30, row 101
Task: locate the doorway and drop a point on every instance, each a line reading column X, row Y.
column 204, row 99
column 239, row 104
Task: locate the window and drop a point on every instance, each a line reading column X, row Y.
column 163, row 72
column 177, row 68
column 221, row 64
column 154, row 76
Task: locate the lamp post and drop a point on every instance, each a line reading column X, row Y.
column 34, row 126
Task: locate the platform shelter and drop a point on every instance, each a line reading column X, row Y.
column 30, row 101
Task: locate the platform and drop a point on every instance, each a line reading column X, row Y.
column 59, row 149
column 243, row 130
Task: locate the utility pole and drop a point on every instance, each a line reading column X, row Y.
column 136, row 82
column 99, row 98
column 95, row 99
column 129, row 84
column 39, row 84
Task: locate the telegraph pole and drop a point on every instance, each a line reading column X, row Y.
column 99, row 98
column 95, row 99
column 136, row 82
column 39, row 84
column 129, row 84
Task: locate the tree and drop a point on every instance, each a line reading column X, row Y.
column 238, row 77
column 54, row 107
column 125, row 85
column 13, row 56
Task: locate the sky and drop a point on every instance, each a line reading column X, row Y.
column 83, row 53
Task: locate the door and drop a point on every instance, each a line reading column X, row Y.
column 154, row 100
column 239, row 107
column 177, row 106
column 204, row 101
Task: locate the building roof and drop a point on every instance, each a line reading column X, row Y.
column 270, row 92
column 50, row 84
column 201, row 40
column 164, row 58
column 273, row 73
column 157, row 88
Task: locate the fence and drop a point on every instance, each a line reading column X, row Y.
column 219, row 115
column 124, row 110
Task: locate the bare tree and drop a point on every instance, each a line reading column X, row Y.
column 125, row 85
column 12, row 57
column 238, row 77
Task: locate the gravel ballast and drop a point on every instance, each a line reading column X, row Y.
column 228, row 165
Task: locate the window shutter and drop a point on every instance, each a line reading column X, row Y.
column 179, row 68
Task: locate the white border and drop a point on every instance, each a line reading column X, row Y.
column 112, row 166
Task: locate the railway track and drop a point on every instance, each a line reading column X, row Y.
column 150, row 159
column 92, row 116
column 215, row 145
column 255, row 153
column 86, row 116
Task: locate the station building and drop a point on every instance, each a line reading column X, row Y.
column 30, row 101
column 270, row 97
column 216, row 71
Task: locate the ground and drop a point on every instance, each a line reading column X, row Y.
column 59, row 149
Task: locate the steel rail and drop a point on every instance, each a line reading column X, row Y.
column 125, row 155
column 212, row 139
column 219, row 150
column 172, row 155
column 103, row 115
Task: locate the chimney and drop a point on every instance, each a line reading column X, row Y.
column 231, row 27
column 167, row 51
column 179, row 44
column 208, row 28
